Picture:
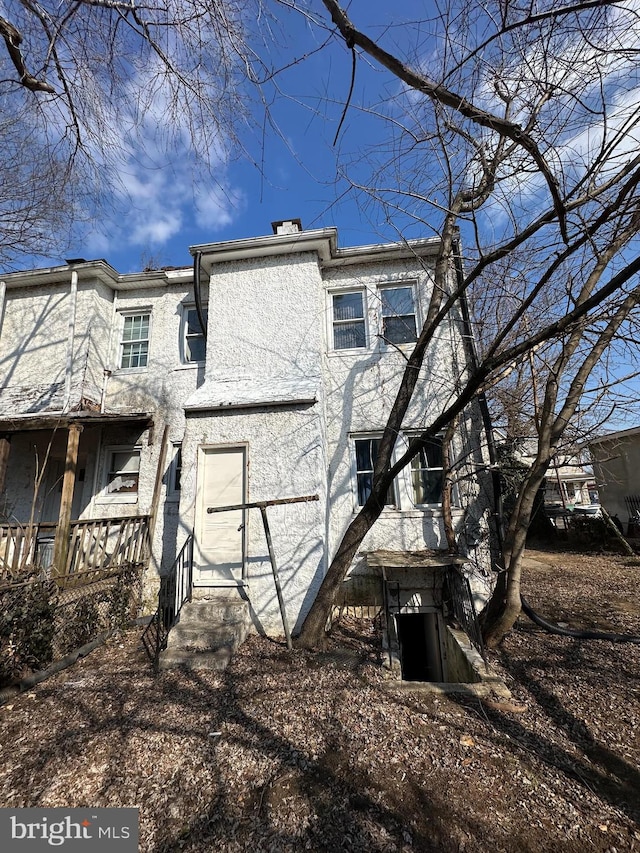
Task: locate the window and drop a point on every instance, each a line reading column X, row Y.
column 174, row 476
column 122, row 474
column 135, row 340
column 366, row 450
column 398, row 314
column 349, row 331
column 426, row 473
column 194, row 345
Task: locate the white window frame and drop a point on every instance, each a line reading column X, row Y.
column 184, row 334
column 114, row 497
column 333, row 323
column 124, row 315
column 410, row 285
column 174, row 473
column 393, row 488
column 412, row 469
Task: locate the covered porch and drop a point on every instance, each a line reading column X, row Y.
column 53, row 470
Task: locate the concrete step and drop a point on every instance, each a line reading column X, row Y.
column 207, row 634
column 217, row 660
column 214, row 611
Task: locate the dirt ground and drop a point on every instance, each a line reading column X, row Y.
column 323, row 752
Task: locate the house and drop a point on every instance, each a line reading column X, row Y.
column 119, row 407
column 616, row 465
column 569, row 484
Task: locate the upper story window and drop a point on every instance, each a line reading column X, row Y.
column 194, row 345
column 366, row 452
column 426, row 473
column 398, row 311
column 349, row 329
column 122, row 474
column 134, row 347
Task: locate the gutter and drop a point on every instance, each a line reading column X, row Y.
column 70, row 340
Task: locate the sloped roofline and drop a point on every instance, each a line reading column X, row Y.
column 100, row 270
column 322, row 241
column 615, row 436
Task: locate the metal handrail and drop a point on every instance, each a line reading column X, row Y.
column 461, row 601
column 176, row 589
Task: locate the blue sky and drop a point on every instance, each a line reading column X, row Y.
column 169, row 207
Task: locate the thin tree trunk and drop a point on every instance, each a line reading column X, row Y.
column 505, row 605
column 447, row 486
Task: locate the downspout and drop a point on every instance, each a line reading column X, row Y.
column 70, row 340
column 3, row 296
column 111, row 358
column 482, row 402
column 197, row 292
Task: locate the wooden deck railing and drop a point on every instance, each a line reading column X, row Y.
column 94, row 543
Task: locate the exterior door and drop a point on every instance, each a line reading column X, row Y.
column 53, row 490
column 219, row 539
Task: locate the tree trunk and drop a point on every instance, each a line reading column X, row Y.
column 504, row 606
column 313, row 631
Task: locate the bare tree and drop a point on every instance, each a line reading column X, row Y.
column 88, row 84
column 518, row 131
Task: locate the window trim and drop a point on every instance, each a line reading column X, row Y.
column 104, row 495
column 393, row 488
column 174, row 473
column 410, row 284
column 134, row 312
column 343, row 291
column 186, row 307
column 411, row 469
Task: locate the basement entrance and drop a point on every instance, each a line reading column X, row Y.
column 430, row 629
column 420, row 646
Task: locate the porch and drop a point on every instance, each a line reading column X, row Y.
column 93, row 545
column 52, row 467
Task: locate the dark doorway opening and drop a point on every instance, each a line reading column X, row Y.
column 420, row 653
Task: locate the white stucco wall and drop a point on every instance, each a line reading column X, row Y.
column 286, row 458
column 361, row 386
column 271, row 382
column 616, row 466
column 34, row 339
column 264, row 351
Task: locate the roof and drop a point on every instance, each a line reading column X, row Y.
column 615, row 436
column 323, row 241
column 51, row 420
column 239, row 393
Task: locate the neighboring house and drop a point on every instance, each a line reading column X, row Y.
column 287, row 397
column 569, row 482
column 616, row 464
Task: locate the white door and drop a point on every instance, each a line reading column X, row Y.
column 218, row 555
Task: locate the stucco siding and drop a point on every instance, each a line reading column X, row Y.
column 286, row 458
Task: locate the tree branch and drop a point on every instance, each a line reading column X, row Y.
column 13, row 40
column 446, row 97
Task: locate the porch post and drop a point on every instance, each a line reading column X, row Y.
column 61, row 544
column 5, row 445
